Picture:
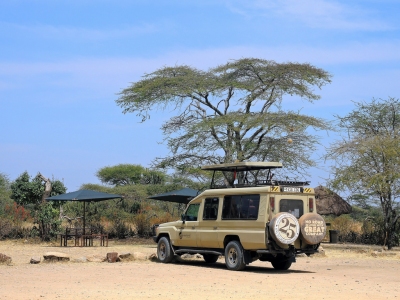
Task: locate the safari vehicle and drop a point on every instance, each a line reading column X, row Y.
column 250, row 219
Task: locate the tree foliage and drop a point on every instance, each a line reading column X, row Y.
column 27, row 192
column 231, row 112
column 127, row 174
column 5, row 192
column 367, row 158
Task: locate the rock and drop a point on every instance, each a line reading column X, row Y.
column 4, row 259
column 112, row 257
column 55, row 256
column 80, row 259
column 35, row 260
column 140, row 256
column 124, row 255
column 96, row 258
column 153, row 257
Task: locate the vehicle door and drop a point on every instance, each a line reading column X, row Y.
column 187, row 236
column 208, row 225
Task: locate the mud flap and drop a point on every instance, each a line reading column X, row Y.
column 247, row 257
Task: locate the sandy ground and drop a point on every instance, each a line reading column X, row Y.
column 343, row 271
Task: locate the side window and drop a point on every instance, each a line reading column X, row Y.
column 241, row 207
column 192, row 212
column 295, row 207
column 210, row 209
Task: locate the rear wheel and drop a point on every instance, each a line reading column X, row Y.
column 210, row 258
column 234, row 256
column 281, row 264
column 164, row 250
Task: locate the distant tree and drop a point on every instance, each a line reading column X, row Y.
column 367, row 159
column 231, row 112
column 4, row 192
column 126, row 174
column 27, row 192
column 4, row 186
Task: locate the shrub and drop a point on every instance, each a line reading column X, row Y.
column 142, row 225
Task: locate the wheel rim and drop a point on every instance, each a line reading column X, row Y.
column 232, row 256
column 162, row 250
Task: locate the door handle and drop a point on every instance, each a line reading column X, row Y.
column 215, row 227
column 193, row 227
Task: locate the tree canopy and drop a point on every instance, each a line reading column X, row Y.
column 127, row 174
column 26, row 191
column 231, row 112
column 367, row 160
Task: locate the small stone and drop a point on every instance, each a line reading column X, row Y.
column 124, row 255
column 96, row 258
column 4, row 259
column 35, row 260
column 81, row 259
column 140, row 256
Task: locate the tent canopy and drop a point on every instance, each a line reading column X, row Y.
column 179, row 196
column 84, row 195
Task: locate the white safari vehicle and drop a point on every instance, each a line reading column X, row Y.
column 252, row 218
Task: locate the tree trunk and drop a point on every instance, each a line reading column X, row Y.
column 43, row 227
column 47, row 187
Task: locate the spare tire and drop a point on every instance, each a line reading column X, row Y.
column 284, row 228
column 313, row 228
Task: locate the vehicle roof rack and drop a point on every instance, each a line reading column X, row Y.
column 243, row 166
column 293, row 183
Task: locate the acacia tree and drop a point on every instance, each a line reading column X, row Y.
column 367, row 158
column 127, row 174
column 231, row 112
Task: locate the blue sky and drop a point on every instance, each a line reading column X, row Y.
column 62, row 64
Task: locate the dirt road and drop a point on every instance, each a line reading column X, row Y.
column 348, row 273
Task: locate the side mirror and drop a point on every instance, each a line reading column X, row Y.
column 183, row 218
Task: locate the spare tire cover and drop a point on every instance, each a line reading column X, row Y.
column 284, row 228
column 313, row 228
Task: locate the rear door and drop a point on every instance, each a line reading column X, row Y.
column 208, row 225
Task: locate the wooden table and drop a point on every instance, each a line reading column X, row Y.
column 87, row 239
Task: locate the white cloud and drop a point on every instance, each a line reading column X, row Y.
column 101, row 74
column 314, row 13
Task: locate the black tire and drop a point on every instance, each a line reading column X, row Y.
column 281, row 264
column 234, row 259
column 164, row 250
column 210, row 258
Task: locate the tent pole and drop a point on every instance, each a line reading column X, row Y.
column 84, row 216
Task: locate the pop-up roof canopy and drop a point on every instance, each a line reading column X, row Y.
column 243, row 166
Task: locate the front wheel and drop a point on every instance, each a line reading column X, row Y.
column 281, row 264
column 234, row 259
column 164, row 250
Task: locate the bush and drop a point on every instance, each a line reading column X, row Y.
column 120, row 230
column 6, row 227
column 142, row 225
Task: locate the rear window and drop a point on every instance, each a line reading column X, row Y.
column 210, row 209
column 241, row 207
column 295, row 207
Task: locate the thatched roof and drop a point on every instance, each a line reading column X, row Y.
column 329, row 202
